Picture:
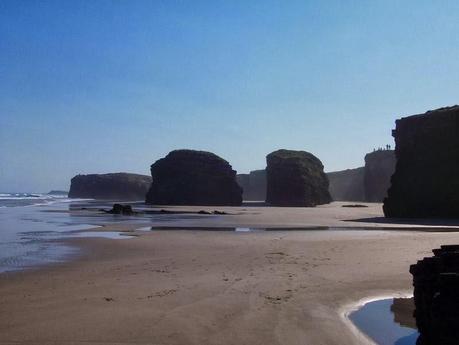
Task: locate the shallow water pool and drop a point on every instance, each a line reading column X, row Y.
column 387, row 322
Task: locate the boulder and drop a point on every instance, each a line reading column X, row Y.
column 379, row 167
column 115, row 186
column 121, row 209
column 189, row 177
column 426, row 179
column 295, row 178
column 253, row 185
column 347, row 185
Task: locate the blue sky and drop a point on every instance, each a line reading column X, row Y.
column 106, row 86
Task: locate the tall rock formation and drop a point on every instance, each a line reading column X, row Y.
column 253, row 185
column 295, row 178
column 426, row 180
column 189, row 177
column 379, row 167
column 347, row 185
column 115, row 186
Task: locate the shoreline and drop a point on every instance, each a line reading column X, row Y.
column 212, row 287
column 348, row 309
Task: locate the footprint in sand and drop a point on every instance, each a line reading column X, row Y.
column 277, row 299
column 163, row 293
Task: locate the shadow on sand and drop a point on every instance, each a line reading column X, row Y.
column 408, row 221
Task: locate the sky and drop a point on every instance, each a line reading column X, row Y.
column 109, row 86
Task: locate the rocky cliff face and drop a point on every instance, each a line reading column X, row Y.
column 347, row 185
column 379, row 167
column 253, row 185
column 116, row 186
column 295, row 178
column 188, row 177
column 426, row 179
column 436, row 297
column 369, row 183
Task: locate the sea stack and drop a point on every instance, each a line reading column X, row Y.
column 115, row 186
column 295, row 178
column 189, row 177
column 253, row 185
column 379, row 167
column 426, row 179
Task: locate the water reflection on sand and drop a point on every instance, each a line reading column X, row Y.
column 387, row 321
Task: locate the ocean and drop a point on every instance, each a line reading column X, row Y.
column 33, row 227
column 30, row 199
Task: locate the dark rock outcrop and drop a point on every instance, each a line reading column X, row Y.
column 253, row 185
column 436, row 297
column 295, row 178
column 426, row 180
column 379, row 167
column 121, row 209
column 115, row 186
column 189, row 177
column 347, row 185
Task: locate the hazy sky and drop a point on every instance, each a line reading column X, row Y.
column 107, row 86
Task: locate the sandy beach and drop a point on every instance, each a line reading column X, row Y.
column 217, row 287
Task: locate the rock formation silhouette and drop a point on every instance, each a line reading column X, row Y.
column 189, row 177
column 426, row 179
column 114, row 186
column 295, row 178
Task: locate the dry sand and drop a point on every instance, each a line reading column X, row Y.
column 207, row 287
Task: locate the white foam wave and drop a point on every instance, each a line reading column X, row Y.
column 34, row 199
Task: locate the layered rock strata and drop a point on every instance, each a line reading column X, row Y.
column 436, row 297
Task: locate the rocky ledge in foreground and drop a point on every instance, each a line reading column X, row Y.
column 295, row 178
column 115, row 186
column 426, row 179
column 189, row 177
column 436, row 297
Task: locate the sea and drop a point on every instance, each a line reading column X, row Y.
column 34, row 228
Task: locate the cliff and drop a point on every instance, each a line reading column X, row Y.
column 426, row 179
column 379, row 167
column 253, row 185
column 115, row 186
column 189, row 177
column 347, row 185
column 295, row 178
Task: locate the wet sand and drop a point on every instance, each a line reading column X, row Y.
column 332, row 215
column 213, row 287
